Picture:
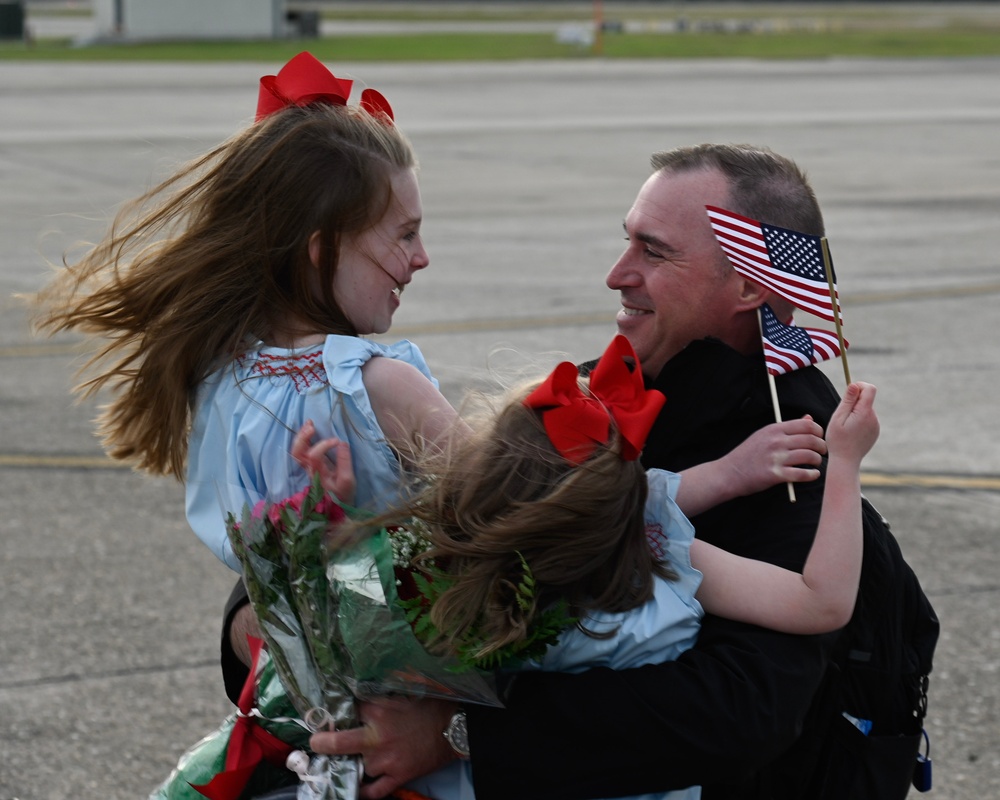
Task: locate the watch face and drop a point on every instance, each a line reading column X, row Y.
column 458, row 734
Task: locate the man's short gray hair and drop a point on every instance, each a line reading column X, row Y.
column 763, row 185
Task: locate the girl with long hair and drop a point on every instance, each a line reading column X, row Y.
column 229, row 304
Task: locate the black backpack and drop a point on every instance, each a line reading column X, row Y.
column 868, row 716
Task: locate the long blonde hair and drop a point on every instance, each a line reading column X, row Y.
column 505, row 499
column 215, row 258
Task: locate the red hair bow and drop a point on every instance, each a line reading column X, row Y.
column 304, row 80
column 576, row 422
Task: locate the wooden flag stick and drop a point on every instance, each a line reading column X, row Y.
column 835, row 302
column 774, row 399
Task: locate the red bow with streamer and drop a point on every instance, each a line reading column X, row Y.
column 249, row 744
column 304, row 80
column 576, row 422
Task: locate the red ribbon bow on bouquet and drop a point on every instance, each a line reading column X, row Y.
column 576, row 422
column 304, row 80
column 249, row 744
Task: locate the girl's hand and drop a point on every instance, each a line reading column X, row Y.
column 782, row 452
column 854, row 426
column 331, row 458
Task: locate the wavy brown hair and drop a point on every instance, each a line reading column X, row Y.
column 506, row 494
column 217, row 257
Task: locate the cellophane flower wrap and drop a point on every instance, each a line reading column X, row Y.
column 335, row 632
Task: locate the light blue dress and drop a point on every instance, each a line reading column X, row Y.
column 247, row 413
column 660, row 630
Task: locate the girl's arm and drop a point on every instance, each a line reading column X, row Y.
column 777, row 453
column 822, row 598
column 410, row 410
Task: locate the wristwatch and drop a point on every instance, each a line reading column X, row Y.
column 457, row 734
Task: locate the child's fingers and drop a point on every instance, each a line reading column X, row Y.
column 342, row 458
column 345, row 479
column 859, row 399
column 324, row 448
column 858, row 392
column 300, row 442
column 866, row 396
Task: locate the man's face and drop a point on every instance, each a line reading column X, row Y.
column 675, row 282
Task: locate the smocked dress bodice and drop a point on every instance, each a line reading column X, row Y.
column 248, row 411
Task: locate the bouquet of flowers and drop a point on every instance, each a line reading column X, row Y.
column 335, row 631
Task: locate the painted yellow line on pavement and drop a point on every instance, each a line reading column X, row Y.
column 924, row 481
column 16, row 460
column 42, row 349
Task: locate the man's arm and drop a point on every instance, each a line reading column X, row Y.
column 238, row 622
column 715, row 716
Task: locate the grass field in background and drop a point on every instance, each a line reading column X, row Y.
column 479, row 47
column 784, row 30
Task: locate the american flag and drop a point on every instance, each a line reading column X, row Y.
column 787, row 262
column 789, row 347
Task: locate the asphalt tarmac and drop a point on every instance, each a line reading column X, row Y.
column 109, row 606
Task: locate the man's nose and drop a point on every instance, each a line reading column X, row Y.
column 621, row 273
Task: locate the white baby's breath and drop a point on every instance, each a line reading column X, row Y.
column 408, row 541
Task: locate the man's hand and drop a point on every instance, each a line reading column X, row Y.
column 783, row 452
column 244, row 623
column 399, row 739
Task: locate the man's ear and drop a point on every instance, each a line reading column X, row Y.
column 751, row 295
column 315, row 247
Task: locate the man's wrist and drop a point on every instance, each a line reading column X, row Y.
column 457, row 734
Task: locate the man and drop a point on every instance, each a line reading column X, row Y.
column 730, row 713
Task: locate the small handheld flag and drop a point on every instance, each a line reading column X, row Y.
column 787, row 262
column 789, row 347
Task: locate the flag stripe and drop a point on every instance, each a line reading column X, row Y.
column 789, row 347
column 779, row 362
column 803, row 297
column 788, row 263
column 799, row 289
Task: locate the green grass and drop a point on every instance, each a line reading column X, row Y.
column 876, row 44
column 431, row 47
column 480, row 47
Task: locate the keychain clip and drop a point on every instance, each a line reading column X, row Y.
column 922, row 769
